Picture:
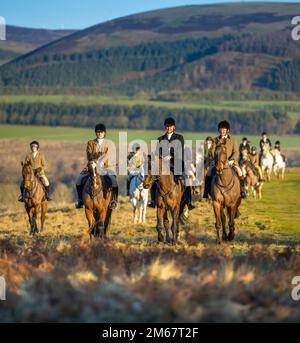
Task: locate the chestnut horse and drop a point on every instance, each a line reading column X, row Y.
column 169, row 200
column 225, row 192
column 34, row 198
column 96, row 198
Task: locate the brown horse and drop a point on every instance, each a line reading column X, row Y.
column 34, row 198
column 169, row 196
column 225, row 192
column 251, row 179
column 96, row 198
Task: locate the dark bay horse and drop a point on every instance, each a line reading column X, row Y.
column 225, row 193
column 96, row 198
column 34, row 198
column 169, row 200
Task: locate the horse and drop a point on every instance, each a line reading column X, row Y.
column 97, row 196
column 251, row 179
column 34, row 198
column 138, row 198
column 225, row 193
column 169, row 200
column 279, row 164
column 266, row 162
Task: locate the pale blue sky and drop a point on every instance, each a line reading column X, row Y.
column 78, row 14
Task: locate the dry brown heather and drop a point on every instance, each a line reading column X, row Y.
column 62, row 276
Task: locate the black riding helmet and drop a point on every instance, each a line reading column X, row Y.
column 170, row 122
column 245, row 139
column 224, row 125
column 277, row 143
column 35, row 143
column 209, row 138
column 100, row 128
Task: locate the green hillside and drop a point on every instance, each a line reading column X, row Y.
column 233, row 46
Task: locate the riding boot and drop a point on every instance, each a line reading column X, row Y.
column 207, row 186
column 21, row 198
column 79, row 203
column 153, row 190
column 47, row 193
column 127, row 187
column 188, row 197
column 243, row 190
column 114, row 201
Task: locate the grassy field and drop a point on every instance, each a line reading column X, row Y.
column 82, row 134
column 61, row 276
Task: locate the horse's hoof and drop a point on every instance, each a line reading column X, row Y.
column 224, row 238
column 160, row 237
column 231, row 236
column 218, row 241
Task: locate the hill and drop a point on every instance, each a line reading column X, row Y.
column 239, row 47
column 21, row 40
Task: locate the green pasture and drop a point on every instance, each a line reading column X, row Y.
column 84, row 134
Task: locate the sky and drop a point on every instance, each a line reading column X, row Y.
column 79, row 14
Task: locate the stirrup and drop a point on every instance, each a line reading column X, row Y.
column 21, row 199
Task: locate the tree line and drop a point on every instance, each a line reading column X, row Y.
column 142, row 117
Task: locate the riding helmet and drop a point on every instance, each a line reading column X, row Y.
column 264, row 133
column 209, row 139
column 170, row 122
column 245, row 139
column 277, row 143
column 253, row 148
column 35, row 143
column 224, row 125
column 100, row 128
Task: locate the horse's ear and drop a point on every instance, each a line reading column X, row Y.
column 22, row 164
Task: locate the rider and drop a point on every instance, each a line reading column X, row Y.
column 98, row 150
column 135, row 161
column 265, row 141
column 233, row 153
column 171, row 136
column 244, row 146
column 278, row 147
column 36, row 160
column 253, row 157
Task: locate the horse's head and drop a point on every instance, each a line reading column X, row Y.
column 245, row 154
column 149, row 178
column 266, row 149
column 28, row 174
column 220, row 155
column 92, row 168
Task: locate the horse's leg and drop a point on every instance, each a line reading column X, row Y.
column 134, row 215
column 232, row 212
column 144, row 208
column 44, row 208
column 223, row 220
column 30, row 212
column 160, row 219
column 217, row 211
column 101, row 222
column 90, row 218
column 167, row 227
column 140, row 211
column 107, row 221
